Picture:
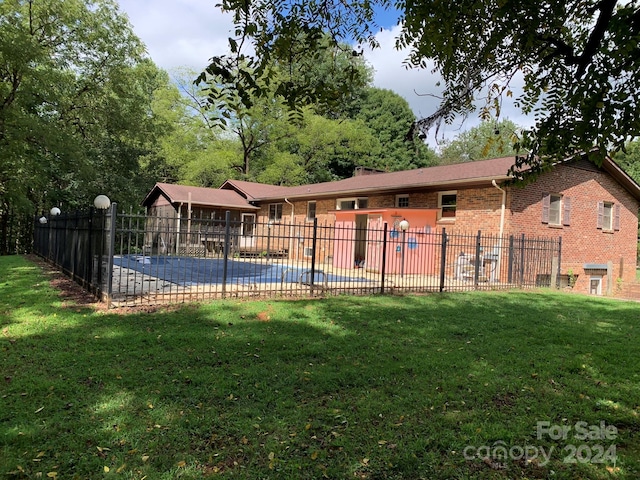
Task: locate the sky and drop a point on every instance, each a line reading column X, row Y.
column 187, row 33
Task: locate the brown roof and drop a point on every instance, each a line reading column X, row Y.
column 199, row 196
column 238, row 193
column 439, row 176
column 254, row 191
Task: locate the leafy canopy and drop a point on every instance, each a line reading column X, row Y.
column 578, row 61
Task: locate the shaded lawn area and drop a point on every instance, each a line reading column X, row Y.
column 346, row 387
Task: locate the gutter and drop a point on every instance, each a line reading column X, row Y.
column 478, row 181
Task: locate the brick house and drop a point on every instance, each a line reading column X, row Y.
column 594, row 209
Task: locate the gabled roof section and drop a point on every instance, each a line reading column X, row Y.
column 439, row 176
column 622, row 177
column 210, row 197
column 255, row 191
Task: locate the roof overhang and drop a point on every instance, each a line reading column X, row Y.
column 622, row 177
column 354, row 192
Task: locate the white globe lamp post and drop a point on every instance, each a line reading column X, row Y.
column 101, row 202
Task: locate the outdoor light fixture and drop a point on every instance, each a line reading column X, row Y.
column 101, row 202
column 404, row 226
column 55, row 211
column 43, row 220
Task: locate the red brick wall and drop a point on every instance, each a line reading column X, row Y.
column 582, row 241
column 479, row 209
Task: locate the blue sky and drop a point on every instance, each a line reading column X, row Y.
column 187, row 33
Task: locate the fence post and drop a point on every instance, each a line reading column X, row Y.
column 443, row 259
column 227, row 234
column 476, row 273
column 111, row 250
column 522, row 251
column 384, row 257
column 90, row 252
column 559, row 261
column 510, row 273
column 313, row 253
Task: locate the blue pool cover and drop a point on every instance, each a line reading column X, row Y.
column 187, row 271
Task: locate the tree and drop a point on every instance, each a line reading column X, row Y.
column 75, row 90
column 389, row 117
column 190, row 149
column 331, row 149
column 579, row 60
column 629, row 159
column 487, row 140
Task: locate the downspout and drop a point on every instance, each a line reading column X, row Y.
column 290, row 227
column 502, row 210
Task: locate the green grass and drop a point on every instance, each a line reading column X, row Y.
column 347, row 387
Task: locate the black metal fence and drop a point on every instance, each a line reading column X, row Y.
column 133, row 259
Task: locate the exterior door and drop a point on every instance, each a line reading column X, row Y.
column 373, row 261
column 247, row 230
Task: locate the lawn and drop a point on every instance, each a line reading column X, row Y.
column 470, row 385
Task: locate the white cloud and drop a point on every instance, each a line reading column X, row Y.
column 187, row 33
column 179, row 33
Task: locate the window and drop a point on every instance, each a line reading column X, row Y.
column 352, row 203
column 248, row 224
column 402, row 201
column 608, row 216
column 595, row 285
column 556, row 209
column 555, row 204
column 311, row 211
column 447, row 204
column 275, row 212
column 308, row 251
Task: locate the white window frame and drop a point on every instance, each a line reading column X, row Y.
column 307, row 252
column 404, row 196
column 555, row 200
column 607, row 220
column 248, row 225
column 356, row 201
column 315, row 206
column 595, row 278
column 277, row 212
column 440, row 206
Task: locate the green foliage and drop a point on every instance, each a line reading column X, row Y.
column 389, row 118
column 578, row 60
column 190, row 148
column 629, row 159
column 74, row 106
column 344, row 387
column 487, row 140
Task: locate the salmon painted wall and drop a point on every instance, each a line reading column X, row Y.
column 359, row 240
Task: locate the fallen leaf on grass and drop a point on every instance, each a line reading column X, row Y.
column 106, row 469
column 145, row 458
column 182, row 464
column 314, row 455
column 52, row 474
